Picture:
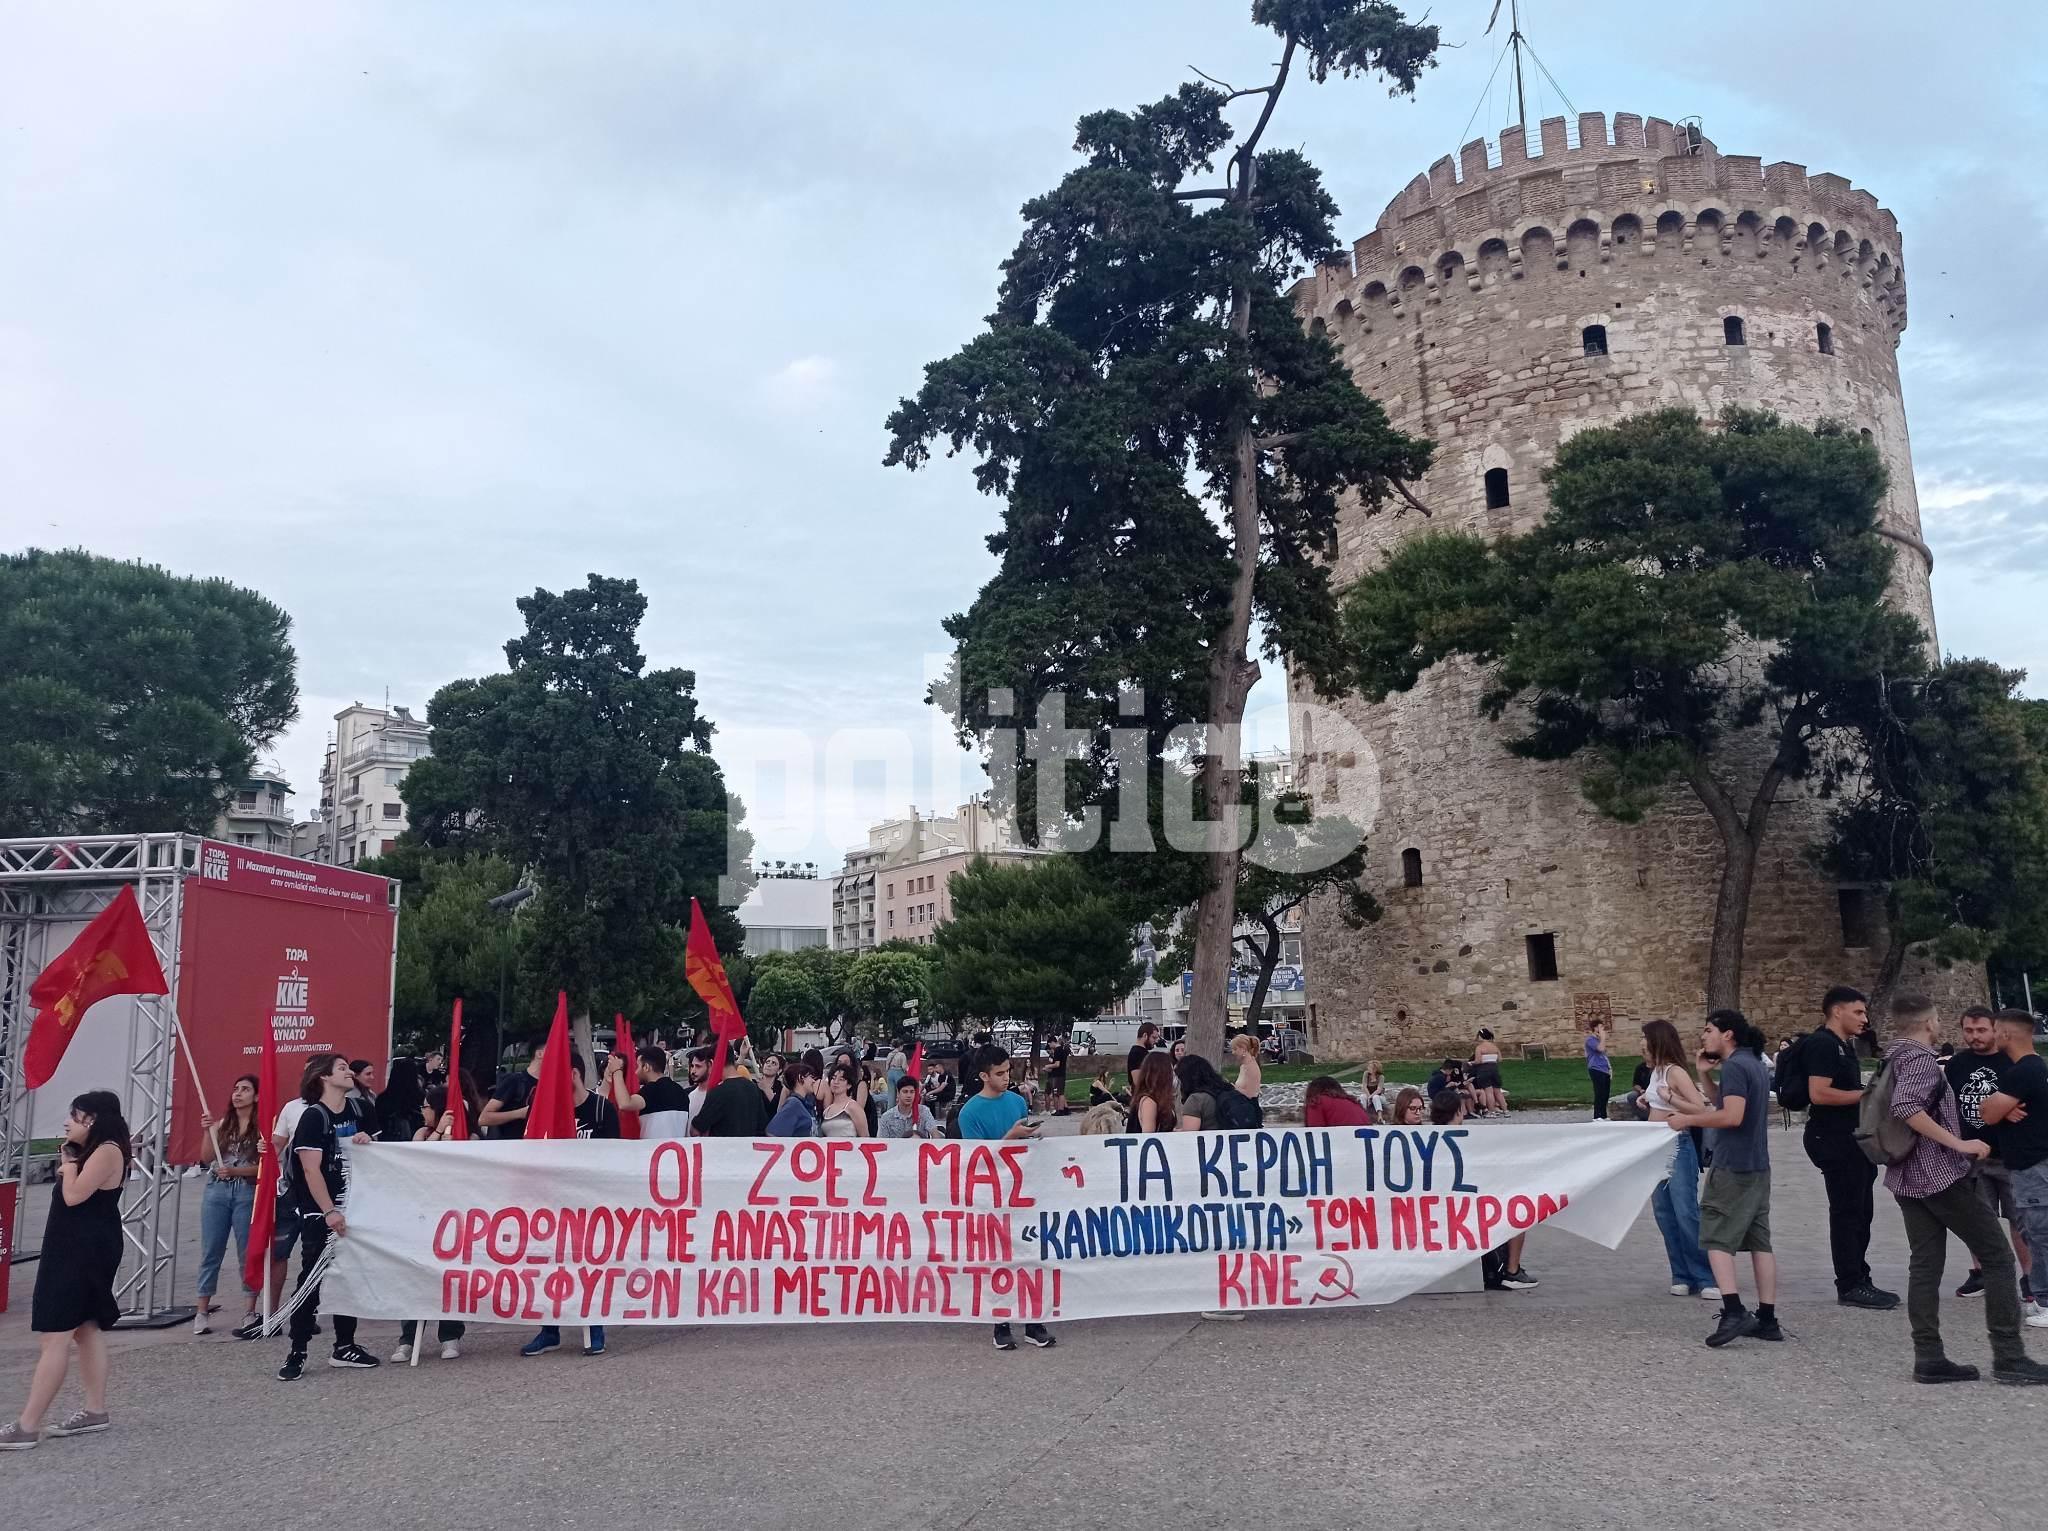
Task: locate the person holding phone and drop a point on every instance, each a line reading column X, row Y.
column 999, row 1113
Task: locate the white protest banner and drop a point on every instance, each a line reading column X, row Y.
column 809, row 1230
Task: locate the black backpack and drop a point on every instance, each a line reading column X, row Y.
column 1238, row 1112
column 1791, row 1076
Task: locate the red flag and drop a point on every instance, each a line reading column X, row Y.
column 629, row 1071
column 707, row 976
column 111, row 956
column 552, row 1111
column 263, row 1217
column 457, row 1107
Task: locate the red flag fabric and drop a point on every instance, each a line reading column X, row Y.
column 552, row 1112
column 701, row 965
column 629, row 1070
column 111, row 956
column 263, row 1217
column 458, row 1108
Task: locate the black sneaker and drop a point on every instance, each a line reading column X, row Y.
column 352, row 1358
column 1767, row 1329
column 1039, row 1335
column 294, row 1367
column 1003, row 1339
column 1518, row 1281
column 2025, row 1372
column 1943, row 1369
column 1974, row 1287
column 249, row 1328
column 1868, row 1296
column 1733, row 1326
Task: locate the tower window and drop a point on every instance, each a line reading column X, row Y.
column 1411, row 868
column 1542, row 957
column 1594, row 339
column 1731, row 331
column 1496, row 488
column 1826, row 336
column 1857, row 917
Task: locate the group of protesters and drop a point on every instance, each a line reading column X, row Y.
column 1963, row 1135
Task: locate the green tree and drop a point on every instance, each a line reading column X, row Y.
column 1699, row 607
column 1950, row 818
column 1172, row 447
column 135, row 699
column 451, row 946
column 881, row 985
column 597, row 775
column 1043, row 941
column 1297, row 856
column 822, row 967
column 783, row 997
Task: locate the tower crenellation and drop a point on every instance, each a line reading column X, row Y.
column 1648, row 183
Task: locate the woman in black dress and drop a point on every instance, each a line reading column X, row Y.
column 74, row 1299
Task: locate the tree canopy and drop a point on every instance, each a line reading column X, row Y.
column 1950, row 819
column 135, row 700
column 595, row 774
column 1688, row 588
column 1043, row 942
column 1171, row 447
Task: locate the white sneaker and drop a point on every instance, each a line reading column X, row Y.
column 200, row 1324
column 450, row 1351
column 401, row 1355
column 2038, row 1319
column 1221, row 1316
column 1710, row 1294
column 1680, row 1289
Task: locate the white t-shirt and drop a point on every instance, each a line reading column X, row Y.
column 287, row 1124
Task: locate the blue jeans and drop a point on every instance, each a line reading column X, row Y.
column 224, row 1209
column 1676, row 1204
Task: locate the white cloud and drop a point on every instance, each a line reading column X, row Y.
column 809, row 380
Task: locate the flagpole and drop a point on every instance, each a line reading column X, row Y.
column 199, row 1089
column 1515, row 42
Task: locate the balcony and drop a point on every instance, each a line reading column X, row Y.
column 274, row 810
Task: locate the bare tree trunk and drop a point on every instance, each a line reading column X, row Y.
column 1888, row 969
column 1232, row 671
column 1741, row 841
column 1269, row 959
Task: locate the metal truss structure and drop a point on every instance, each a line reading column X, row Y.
column 61, row 881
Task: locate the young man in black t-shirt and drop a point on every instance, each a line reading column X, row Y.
column 1056, row 1058
column 511, row 1098
column 1835, row 1086
column 2019, row 1115
column 1973, row 1074
column 318, row 1169
column 1148, row 1039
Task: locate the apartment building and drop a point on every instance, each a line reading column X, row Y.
column 259, row 815
column 361, row 813
column 894, row 887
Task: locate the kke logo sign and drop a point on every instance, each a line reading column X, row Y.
column 291, row 1018
column 213, row 864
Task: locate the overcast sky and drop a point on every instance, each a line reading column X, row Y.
column 394, row 312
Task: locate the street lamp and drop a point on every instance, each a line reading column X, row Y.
column 505, row 904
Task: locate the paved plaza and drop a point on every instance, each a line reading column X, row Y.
column 1589, row 1402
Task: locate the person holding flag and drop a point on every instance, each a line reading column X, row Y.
column 909, row 1117
column 706, row 974
column 319, row 1180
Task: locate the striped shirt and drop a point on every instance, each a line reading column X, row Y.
column 1918, row 1084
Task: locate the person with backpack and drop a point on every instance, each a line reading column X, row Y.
column 1735, row 1206
column 1826, row 1062
column 316, row 1173
column 1210, row 1103
column 1910, row 1120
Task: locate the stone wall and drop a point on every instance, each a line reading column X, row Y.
column 1469, row 312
